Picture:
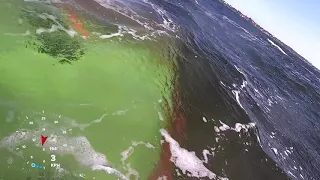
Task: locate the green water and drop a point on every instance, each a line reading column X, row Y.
column 110, row 94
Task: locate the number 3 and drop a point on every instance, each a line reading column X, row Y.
column 53, row 157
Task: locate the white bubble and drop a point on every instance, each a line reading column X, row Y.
column 10, row 160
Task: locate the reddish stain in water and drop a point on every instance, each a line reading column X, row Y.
column 77, row 24
column 166, row 167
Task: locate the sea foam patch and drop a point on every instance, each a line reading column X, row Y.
column 238, row 127
column 187, row 161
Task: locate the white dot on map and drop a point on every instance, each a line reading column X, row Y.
column 31, row 157
column 33, row 139
column 31, row 122
column 65, row 145
column 43, row 118
column 56, row 122
column 44, row 161
column 24, row 146
column 43, row 129
column 64, row 132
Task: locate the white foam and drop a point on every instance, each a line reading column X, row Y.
column 83, row 126
column 125, row 10
column 108, row 35
column 128, row 152
column 289, row 172
column 122, row 30
column 244, row 84
column 224, row 127
column 162, row 178
column 238, row 127
column 187, row 161
column 236, row 94
column 205, row 154
column 120, row 112
column 287, row 152
column 216, row 129
column 55, row 27
column 204, row 119
column 27, row 33
column 238, row 69
column 274, row 44
column 275, row 151
column 167, row 21
column 109, row 170
column 10, row 160
column 160, row 116
column 222, row 84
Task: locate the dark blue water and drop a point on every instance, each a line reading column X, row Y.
column 224, row 57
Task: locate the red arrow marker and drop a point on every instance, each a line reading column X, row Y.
column 43, row 139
